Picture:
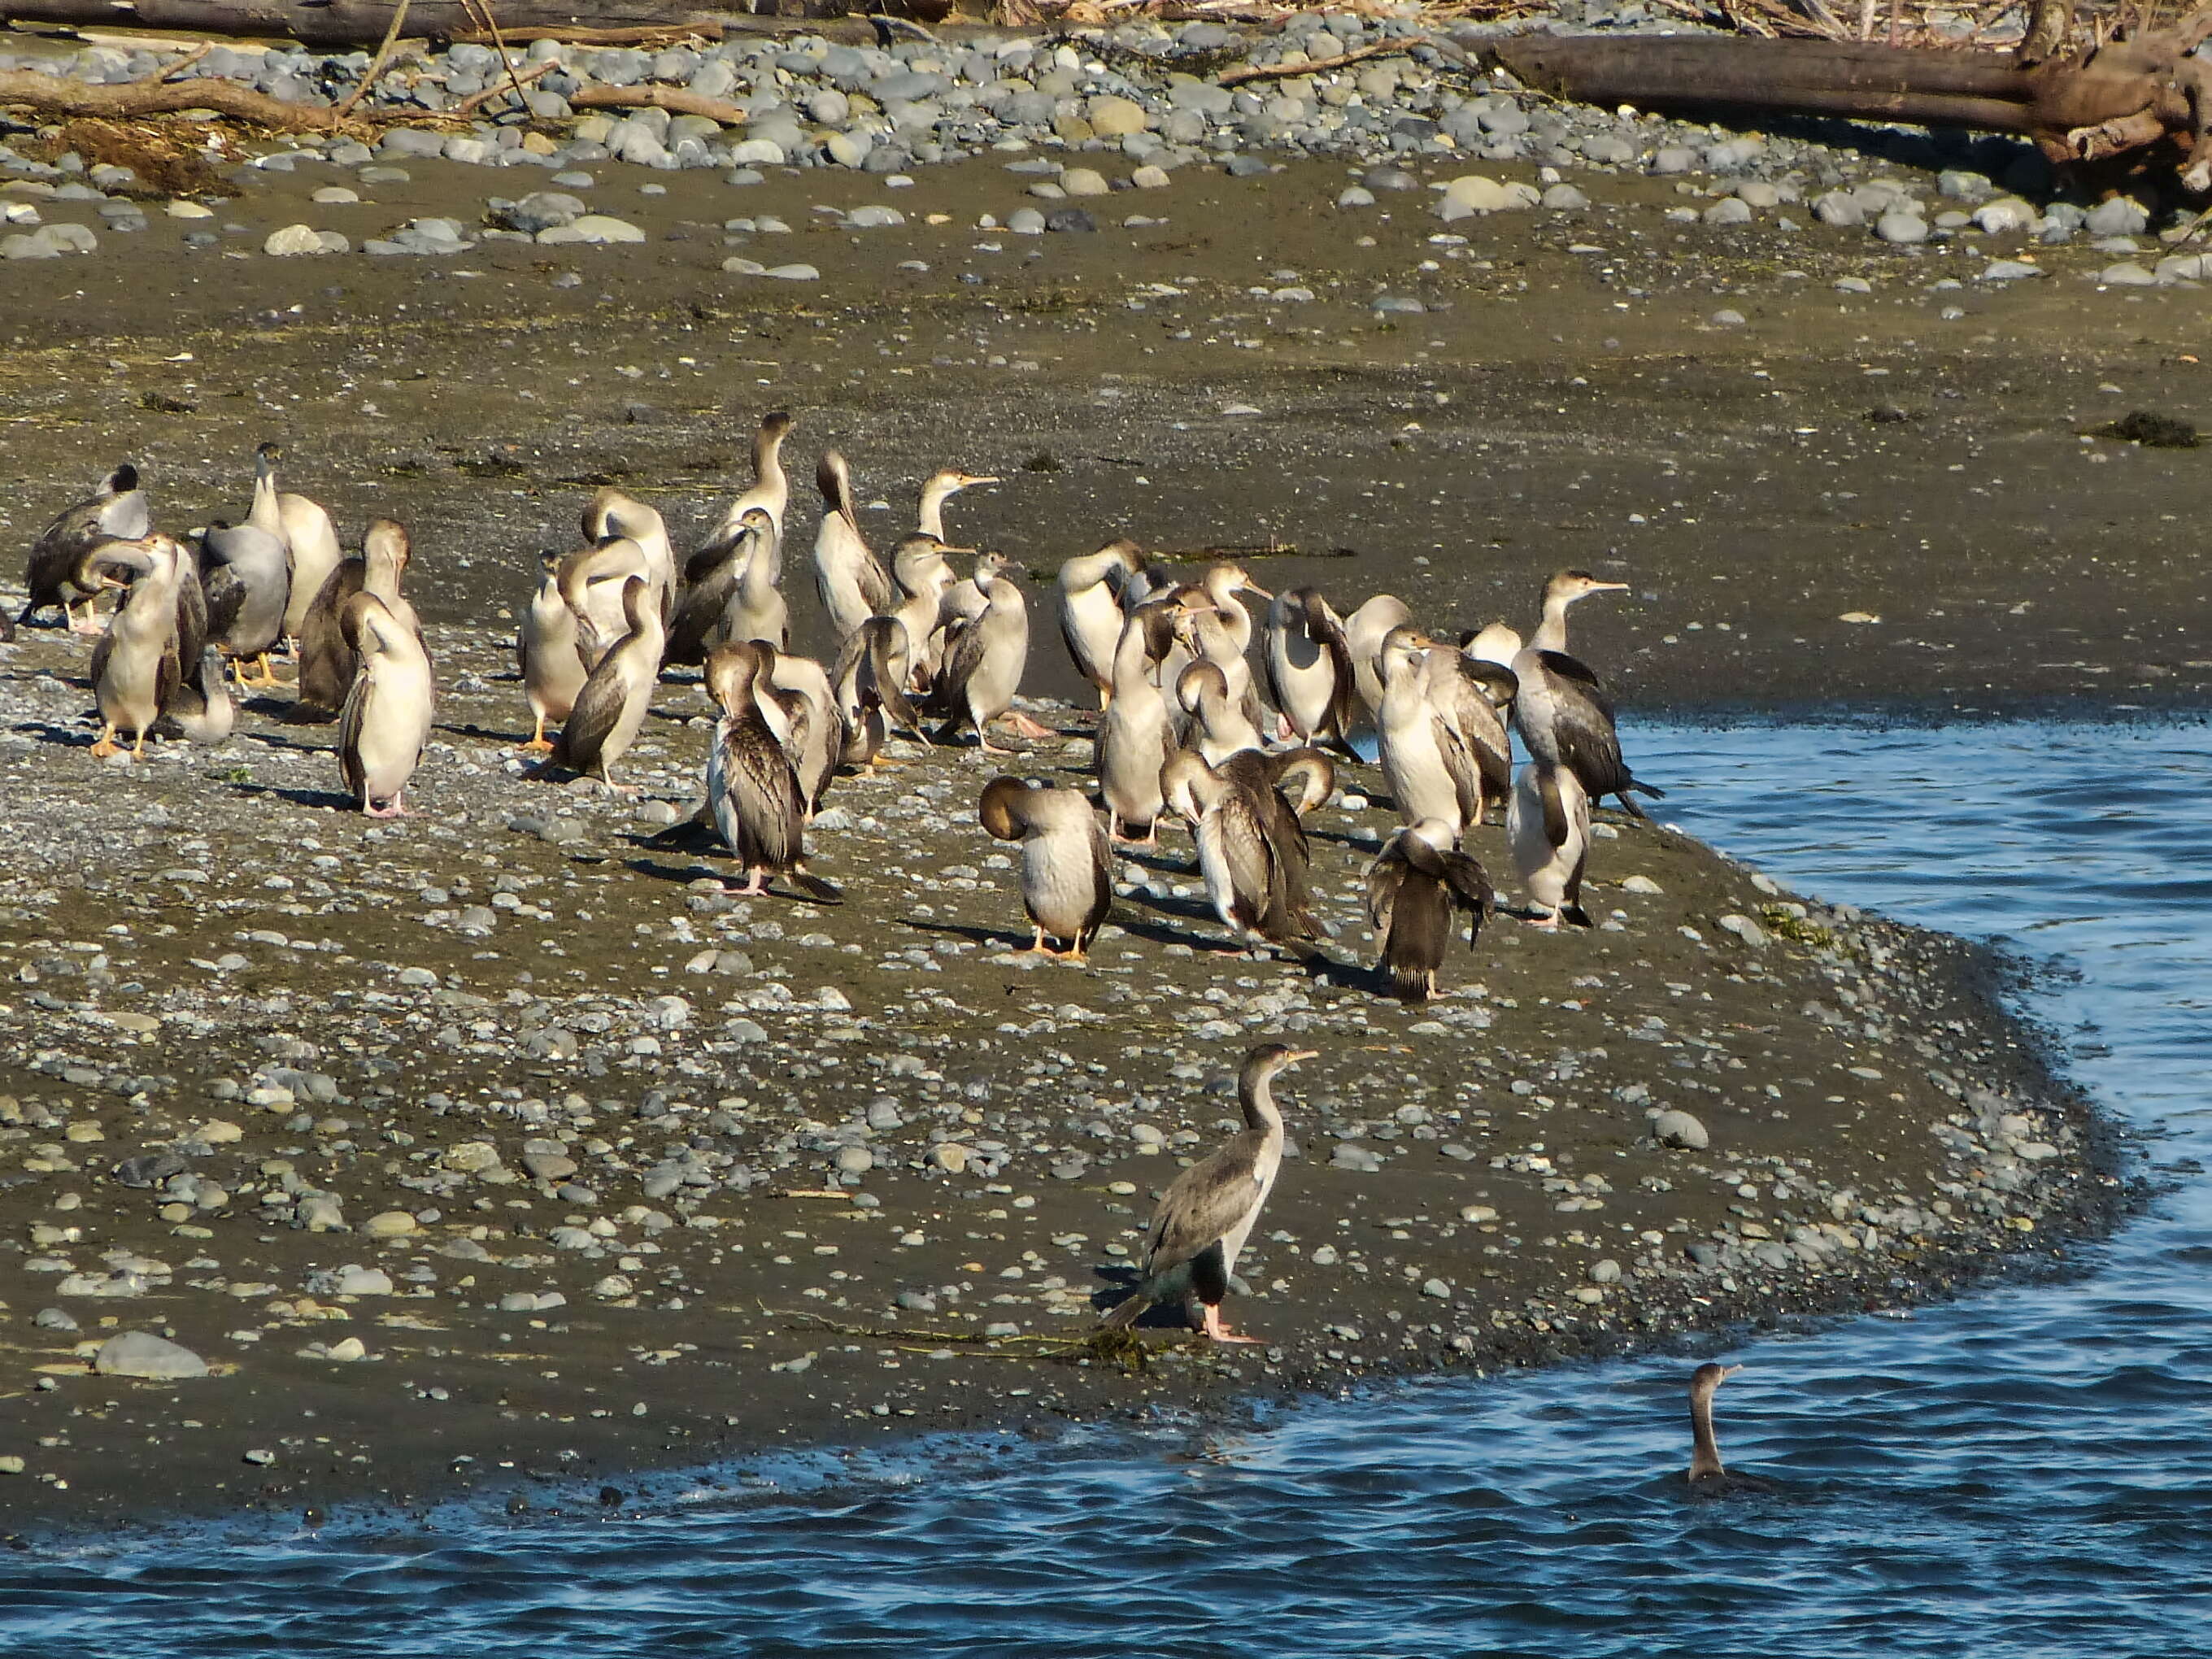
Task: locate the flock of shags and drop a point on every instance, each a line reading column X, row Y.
column 1182, row 730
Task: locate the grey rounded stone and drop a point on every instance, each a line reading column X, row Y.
column 2117, row 217
column 143, row 1354
column 1902, row 227
column 1678, row 1128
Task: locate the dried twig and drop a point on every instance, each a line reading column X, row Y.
column 482, row 8
column 163, row 72
column 376, row 64
column 1313, row 66
column 476, row 101
column 676, row 100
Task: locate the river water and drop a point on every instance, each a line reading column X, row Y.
column 2027, row 1471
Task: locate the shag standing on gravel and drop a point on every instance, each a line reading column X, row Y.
column 1067, row 871
column 1413, row 886
column 1560, row 707
column 61, row 559
column 1209, row 1211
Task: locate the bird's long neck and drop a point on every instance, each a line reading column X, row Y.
column 934, row 495
column 1256, row 1095
column 1705, row 1455
column 768, row 462
column 264, row 515
column 1092, row 570
column 1551, row 634
column 1133, row 657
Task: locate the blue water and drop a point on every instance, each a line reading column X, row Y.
column 2027, row 1471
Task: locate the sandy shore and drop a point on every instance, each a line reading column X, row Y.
column 523, row 1106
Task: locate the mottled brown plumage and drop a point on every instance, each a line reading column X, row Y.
column 1208, row 1213
column 1413, row 886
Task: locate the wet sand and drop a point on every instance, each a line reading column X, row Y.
column 1453, row 456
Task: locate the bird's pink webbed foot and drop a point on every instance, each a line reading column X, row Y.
column 1218, row 1332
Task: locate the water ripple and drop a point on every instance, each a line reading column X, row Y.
column 2024, row 1473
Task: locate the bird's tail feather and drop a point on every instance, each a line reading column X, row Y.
column 1126, row 1313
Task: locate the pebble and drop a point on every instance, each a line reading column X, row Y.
column 1674, row 1128
column 391, row 1224
column 293, row 239
column 592, row 228
column 142, row 1354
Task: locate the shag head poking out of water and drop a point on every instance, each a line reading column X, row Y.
column 1707, row 1473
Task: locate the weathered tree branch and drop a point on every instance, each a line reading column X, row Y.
column 1242, row 73
column 675, row 99
column 49, row 94
column 362, row 22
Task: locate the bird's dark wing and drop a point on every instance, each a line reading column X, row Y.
column 1102, row 883
column 876, row 584
column 598, row 707
column 696, row 613
column 1386, row 874
column 1204, row 1204
column 1576, row 673
column 326, row 661
column 1555, row 810
column 191, row 613
column 351, row 718
column 963, row 655
column 225, row 595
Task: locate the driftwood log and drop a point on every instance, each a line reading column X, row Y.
column 2141, row 93
column 348, row 23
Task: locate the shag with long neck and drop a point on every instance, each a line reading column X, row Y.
column 1092, row 587
column 1135, row 737
column 386, row 723
column 733, row 597
column 939, row 488
column 1209, row 1211
column 1561, row 709
column 327, row 657
column 1425, row 762
column 1365, row 631
column 612, row 512
column 311, row 541
column 590, row 582
column 852, row 581
column 136, row 667
column 1307, row 661
column 1251, row 849
column 870, row 679
column 1708, row 1475
column 984, row 660
column 769, row 491
column 1067, row 871
column 547, row 652
column 1219, row 726
column 247, row 575
column 1413, row 886
column 753, row 791
column 201, row 705
column 611, row 708
column 1547, row 826
column 925, row 578
column 60, row 564
column 817, row 741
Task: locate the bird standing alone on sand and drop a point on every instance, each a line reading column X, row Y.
column 1206, row 1216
